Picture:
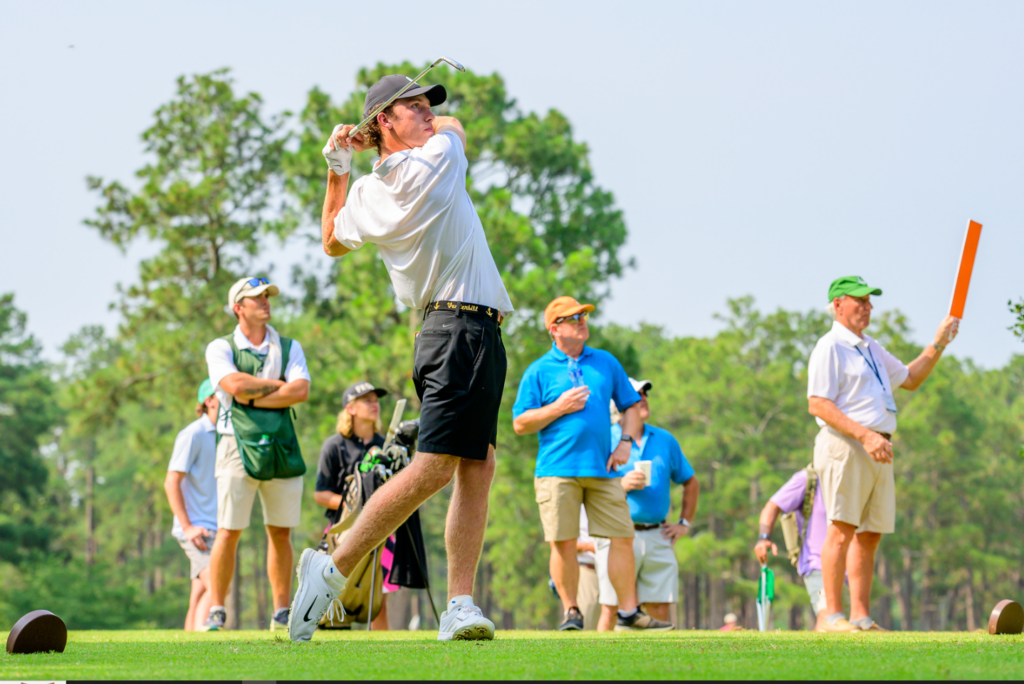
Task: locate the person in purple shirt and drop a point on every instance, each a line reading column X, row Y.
column 790, row 499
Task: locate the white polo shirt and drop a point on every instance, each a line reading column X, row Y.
column 416, row 209
column 220, row 364
column 839, row 370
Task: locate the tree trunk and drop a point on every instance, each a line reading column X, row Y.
column 927, row 599
column 90, row 523
column 972, row 623
column 259, row 580
column 907, row 593
column 884, row 611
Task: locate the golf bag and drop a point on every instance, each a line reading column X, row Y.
column 791, row 531
column 362, row 598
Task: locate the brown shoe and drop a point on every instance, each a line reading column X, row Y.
column 641, row 621
column 840, row 625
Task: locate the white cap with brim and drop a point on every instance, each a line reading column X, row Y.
column 640, row 385
column 245, row 288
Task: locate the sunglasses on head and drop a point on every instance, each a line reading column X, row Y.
column 575, row 318
column 256, row 282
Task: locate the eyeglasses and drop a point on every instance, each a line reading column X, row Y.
column 256, row 282
column 575, row 318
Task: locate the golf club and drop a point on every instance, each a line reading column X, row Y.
column 410, row 84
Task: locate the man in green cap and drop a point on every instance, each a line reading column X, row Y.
column 191, row 488
column 850, row 386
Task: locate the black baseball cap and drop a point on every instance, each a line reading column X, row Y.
column 359, row 389
column 381, row 91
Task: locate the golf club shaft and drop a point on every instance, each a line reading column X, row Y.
column 407, row 86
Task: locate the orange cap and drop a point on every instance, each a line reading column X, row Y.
column 564, row 306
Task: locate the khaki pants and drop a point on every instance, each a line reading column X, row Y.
column 586, row 597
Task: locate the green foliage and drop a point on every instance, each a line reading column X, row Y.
column 1018, row 311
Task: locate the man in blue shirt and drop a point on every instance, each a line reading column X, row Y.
column 564, row 396
column 657, row 572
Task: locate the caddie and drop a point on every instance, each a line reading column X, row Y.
column 259, row 376
column 850, row 392
column 800, row 496
column 415, row 207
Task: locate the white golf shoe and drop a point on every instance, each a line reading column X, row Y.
column 464, row 621
column 314, row 594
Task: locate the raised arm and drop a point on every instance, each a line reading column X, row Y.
column 338, row 153
column 449, row 123
column 921, row 367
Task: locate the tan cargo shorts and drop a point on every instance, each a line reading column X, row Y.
column 236, row 492
column 560, row 499
column 857, row 490
column 198, row 560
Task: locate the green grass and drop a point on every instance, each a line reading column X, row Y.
column 525, row 655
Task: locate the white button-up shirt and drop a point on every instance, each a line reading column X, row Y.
column 838, row 370
column 220, row 364
column 415, row 208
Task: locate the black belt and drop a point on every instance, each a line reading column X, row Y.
column 886, row 435
column 464, row 307
column 642, row 527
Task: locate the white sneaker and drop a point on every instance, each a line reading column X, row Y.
column 464, row 621
column 313, row 595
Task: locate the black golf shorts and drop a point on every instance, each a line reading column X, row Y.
column 459, row 374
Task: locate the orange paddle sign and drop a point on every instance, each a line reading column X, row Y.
column 963, row 274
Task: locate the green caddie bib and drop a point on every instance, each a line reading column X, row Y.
column 266, row 437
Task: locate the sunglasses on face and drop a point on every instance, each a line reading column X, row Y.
column 575, row 319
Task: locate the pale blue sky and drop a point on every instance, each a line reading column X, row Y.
column 782, row 144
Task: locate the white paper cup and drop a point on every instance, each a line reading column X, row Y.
column 645, row 468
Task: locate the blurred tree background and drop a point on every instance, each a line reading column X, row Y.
column 84, row 522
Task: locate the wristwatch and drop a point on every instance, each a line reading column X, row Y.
column 765, row 537
column 684, row 521
column 252, row 403
column 626, row 438
column 938, row 347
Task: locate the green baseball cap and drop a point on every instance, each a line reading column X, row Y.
column 850, row 285
column 205, row 390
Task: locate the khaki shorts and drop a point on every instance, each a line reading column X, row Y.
column 560, row 499
column 657, row 570
column 198, row 560
column 856, row 489
column 236, row 492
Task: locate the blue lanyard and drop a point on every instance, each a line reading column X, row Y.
column 873, row 366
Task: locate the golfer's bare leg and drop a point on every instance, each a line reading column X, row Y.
column 392, row 504
column 467, row 522
column 838, row 538
column 565, row 571
column 205, row 599
column 659, row 611
column 609, row 617
column 860, row 563
column 280, row 564
column 622, row 572
column 222, row 564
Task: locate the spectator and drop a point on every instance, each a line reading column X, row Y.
column 850, row 385
column 258, row 376
column 731, row 623
column 792, row 498
column 191, row 488
column 359, row 429
column 657, row 570
column 576, row 458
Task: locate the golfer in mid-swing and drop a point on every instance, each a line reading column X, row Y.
column 415, row 208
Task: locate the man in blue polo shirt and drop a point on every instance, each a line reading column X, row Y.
column 564, row 396
column 657, row 572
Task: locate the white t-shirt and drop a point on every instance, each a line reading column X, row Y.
column 195, row 454
column 220, row 363
column 415, row 208
column 839, row 370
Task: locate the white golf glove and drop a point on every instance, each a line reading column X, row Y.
column 338, row 159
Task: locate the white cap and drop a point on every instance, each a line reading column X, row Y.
column 640, row 385
column 244, row 288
